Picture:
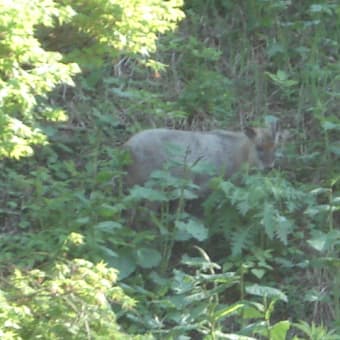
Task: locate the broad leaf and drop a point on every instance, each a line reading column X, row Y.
column 107, row 226
column 124, row 263
column 194, row 228
column 142, row 193
column 279, row 330
column 265, row 291
column 148, row 257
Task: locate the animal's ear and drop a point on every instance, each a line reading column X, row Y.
column 250, row 132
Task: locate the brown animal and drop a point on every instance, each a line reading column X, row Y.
column 223, row 152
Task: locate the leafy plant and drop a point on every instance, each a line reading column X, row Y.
column 71, row 299
column 27, row 72
column 314, row 332
column 225, row 63
column 189, row 304
column 265, row 207
column 164, row 198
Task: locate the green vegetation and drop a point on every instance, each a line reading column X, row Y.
column 81, row 257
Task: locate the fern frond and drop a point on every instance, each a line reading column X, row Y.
column 240, row 239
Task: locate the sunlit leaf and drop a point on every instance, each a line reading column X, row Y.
column 279, row 330
column 265, row 291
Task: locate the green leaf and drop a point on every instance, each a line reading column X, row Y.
column 281, row 79
column 279, row 330
column 265, row 291
column 194, row 228
column 83, row 220
column 322, row 242
column 320, row 190
column 108, row 253
column 335, row 148
column 283, row 228
column 239, row 241
column 269, row 219
column 321, row 8
column 104, row 176
column 259, row 273
column 336, row 201
column 124, row 263
column 228, row 311
column 182, row 282
column 142, row 193
column 318, row 242
column 106, row 210
column 329, row 125
column 148, row 257
column 275, row 49
column 253, row 311
column 107, row 226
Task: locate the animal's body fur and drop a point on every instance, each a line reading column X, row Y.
column 224, row 151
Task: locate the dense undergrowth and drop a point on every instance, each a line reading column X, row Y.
column 259, row 261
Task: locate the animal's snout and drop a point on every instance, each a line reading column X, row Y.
column 267, row 163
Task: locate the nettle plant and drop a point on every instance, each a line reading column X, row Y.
column 189, row 304
column 161, row 207
column 260, row 217
column 258, row 210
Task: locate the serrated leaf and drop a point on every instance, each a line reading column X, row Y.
column 203, row 167
column 194, row 228
column 182, row 282
column 239, row 241
column 104, row 176
column 283, row 228
column 243, row 206
column 259, row 273
column 185, row 194
column 106, row 210
column 227, row 188
column 142, row 193
column 269, row 220
column 274, row 49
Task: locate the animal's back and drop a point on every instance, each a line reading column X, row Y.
column 151, row 149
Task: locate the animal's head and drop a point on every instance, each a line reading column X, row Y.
column 265, row 141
